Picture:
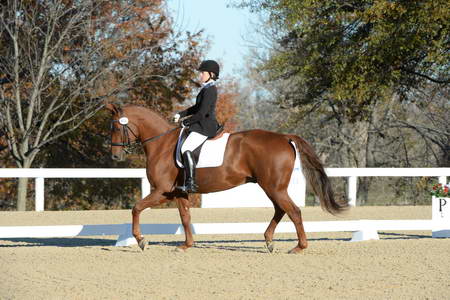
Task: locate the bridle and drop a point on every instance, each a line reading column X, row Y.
column 126, row 141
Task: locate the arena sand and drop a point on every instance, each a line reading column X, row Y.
column 402, row 265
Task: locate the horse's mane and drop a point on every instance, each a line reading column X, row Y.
column 152, row 115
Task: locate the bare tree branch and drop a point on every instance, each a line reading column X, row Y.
column 435, row 80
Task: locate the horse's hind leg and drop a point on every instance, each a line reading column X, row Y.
column 268, row 235
column 185, row 215
column 287, row 205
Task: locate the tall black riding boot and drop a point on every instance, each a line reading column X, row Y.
column 189, row 173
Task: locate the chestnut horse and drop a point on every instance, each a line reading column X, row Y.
column 260, row 156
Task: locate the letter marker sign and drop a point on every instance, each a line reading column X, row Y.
column 441, row 217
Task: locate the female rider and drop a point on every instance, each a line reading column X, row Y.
column 202, row 123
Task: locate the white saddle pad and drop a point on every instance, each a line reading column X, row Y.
column 211, row 154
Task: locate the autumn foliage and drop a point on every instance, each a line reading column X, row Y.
column 70, row 58
column 226, row 105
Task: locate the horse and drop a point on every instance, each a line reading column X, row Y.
column 258, row 156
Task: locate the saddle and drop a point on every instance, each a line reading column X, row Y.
column 209, row 154
column 219, row 133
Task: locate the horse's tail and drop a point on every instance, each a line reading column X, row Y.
column 315, row 174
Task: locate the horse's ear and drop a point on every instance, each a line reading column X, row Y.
column 112, row 107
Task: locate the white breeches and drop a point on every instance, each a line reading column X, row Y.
column 194, row 140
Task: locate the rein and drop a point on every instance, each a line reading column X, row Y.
column 158, row 136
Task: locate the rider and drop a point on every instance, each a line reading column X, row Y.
column 202, row 123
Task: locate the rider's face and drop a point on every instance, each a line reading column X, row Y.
column 204, row 76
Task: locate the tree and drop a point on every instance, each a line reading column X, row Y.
column 348, row 74
column 61, row 59
column 347, row 55
column 385, row 138
column 428, row 117
column 226, row 104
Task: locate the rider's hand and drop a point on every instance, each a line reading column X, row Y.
column 184, row 123
column 176, row 118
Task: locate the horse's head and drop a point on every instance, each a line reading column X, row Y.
column 124, row 131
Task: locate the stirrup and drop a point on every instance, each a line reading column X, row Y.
column 191, row 187
column 182, row 188
column 188, row 188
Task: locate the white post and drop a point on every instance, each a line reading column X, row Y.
column 39, row 194
column 145, row 187
column 303, row 191
column 443, row 180
column 352, row 190
column 297, row 184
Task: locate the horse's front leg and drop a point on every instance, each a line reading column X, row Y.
column 185, row 215
column 151, row 200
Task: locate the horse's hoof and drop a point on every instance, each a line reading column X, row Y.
column 269, row 246
column 181, row 249
column 296, row 250
column 142, row 243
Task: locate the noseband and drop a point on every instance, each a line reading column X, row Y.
column 126, row 142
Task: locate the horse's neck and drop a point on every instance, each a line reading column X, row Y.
column 162, row 146
column 150, row 129
column 153, row 125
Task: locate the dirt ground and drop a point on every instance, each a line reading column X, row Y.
column 402, row 265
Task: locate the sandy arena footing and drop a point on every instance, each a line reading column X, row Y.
column 402, row 265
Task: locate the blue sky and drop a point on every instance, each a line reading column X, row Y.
column 225, row 27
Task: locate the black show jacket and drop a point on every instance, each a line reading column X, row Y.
column 203, row 112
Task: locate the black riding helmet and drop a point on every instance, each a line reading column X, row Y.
column 210, row 66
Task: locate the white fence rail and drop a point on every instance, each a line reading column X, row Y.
column 41, row 174
column 362, row 229
column 351, row 174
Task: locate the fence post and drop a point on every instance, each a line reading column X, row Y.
column 145, row 187
column 302, row 191
column 39, row 194
column 443, row 180
column 352, row 190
